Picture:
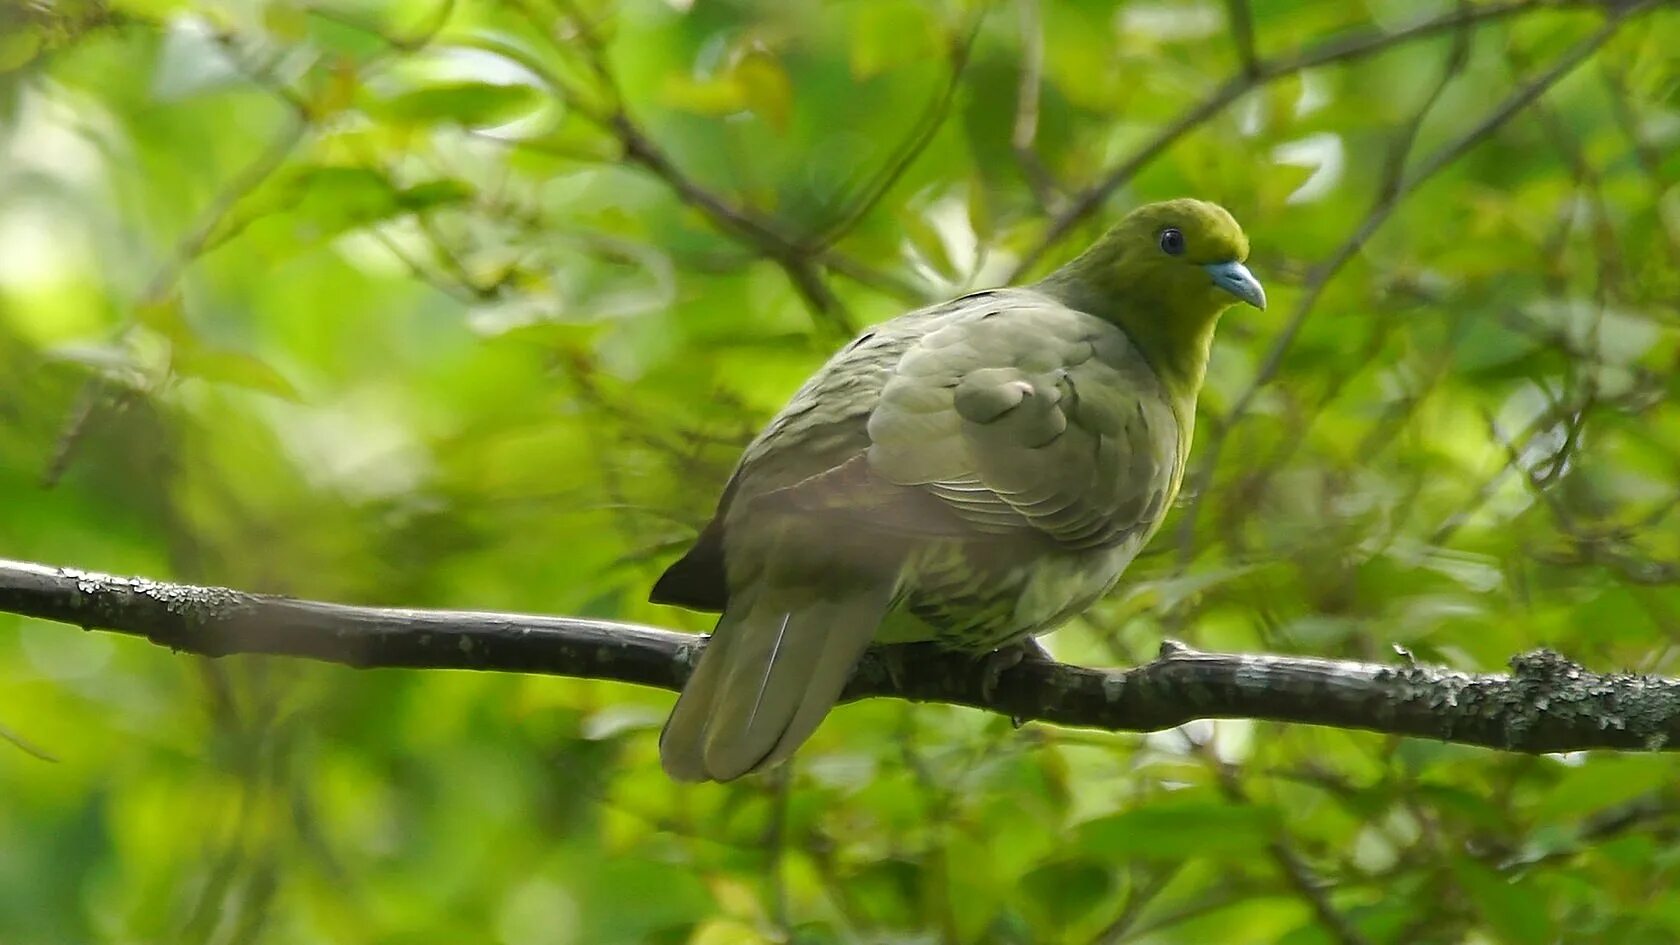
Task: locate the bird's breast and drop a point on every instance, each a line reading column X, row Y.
column 963, row 596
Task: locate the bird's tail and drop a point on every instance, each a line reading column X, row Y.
column 774, row 666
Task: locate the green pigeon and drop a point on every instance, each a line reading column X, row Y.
column 971, row 473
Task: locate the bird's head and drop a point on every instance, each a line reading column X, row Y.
column 1164, row 273
column 1186, row 256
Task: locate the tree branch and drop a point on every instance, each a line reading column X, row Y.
column 1546, row 704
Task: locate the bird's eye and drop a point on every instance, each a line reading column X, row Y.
column 1172, row 242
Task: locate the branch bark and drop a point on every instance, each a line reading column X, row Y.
column 1545, row 704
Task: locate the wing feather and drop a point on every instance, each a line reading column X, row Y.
column 1004, row 413
column 1029, row 416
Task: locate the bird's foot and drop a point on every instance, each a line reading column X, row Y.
column 1005, row 658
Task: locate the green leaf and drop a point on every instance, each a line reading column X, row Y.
column 1599, row 783
column 1491, row 349
column 982, row 216
column 889, row 34
column 1514, row 910
column 285, row 21
column 315, row 204
column 434, row 193
column 765, row 88
column 191, row 63
column 235, row 368
column 25, row 745
column 1066, row 891
column 165, row 316
column 17, row 48
column 113, row 362
column 927, row 244
column 1175, row 829
column 717, row 96
column 470, row 104
column 1471, row 807
column 629, row 900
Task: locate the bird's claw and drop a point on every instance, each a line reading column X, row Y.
column 999, row 661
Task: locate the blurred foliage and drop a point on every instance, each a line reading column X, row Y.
column 470, row 303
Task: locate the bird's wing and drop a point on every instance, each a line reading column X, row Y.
column 1025, row 415
column 823, row 427
column 1003, row 413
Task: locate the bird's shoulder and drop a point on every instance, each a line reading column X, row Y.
column 923, row 395
column 1018, row 367
column 1021, row 330
column 825, row 422
column 1032, row 416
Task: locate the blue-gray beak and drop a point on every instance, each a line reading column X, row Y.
column 1235, row 278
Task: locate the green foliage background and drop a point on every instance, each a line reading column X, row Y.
column 390, row 302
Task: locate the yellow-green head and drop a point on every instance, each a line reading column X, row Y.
column 1164, row 273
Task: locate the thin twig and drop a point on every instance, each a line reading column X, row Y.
column 1143, row 893
column 1289, row 862
column 1390, row 195
column 1023, row 135
column 1357, row 46
column 1650, row 158
column 921, row 135
column 641, row 149
column 25, row 745
column 1242, row 34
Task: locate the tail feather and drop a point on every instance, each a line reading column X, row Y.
column 767, row 679
column 682, row 742
column 842, row 649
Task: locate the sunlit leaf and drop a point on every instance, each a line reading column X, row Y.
column 236, row 369
column 765, row 87
column 717, row 96
column 315, row 204
column 24, row 745
column 114, row 362
column 17, row 48
column 285, row 20
column 165, row 316
column 192, row 63
column 470, row 104
column 887, row 35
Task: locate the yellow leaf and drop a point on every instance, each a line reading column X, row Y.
column 165, row 317
column 765, row 87
column 338, row 91
column 285, row 21
column 18, row 49
column 885, row 36
column 704, row 96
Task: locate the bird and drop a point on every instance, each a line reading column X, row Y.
column 972, row 474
